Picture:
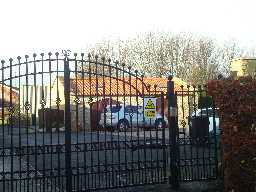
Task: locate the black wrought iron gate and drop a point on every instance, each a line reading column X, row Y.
column 197, row 135
column 83, row 123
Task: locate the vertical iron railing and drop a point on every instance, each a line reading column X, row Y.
column 164, row 137
column 198, row 152
column 11, row 126
column 172, row 107
column 93, row 158
column 3, row 126
column 215, row 140
column 67, row 125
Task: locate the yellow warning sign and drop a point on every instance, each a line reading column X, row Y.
column 150, row 105
column 150, row 113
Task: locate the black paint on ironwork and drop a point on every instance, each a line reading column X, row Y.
column 76, row 143
column 67, row 125
column 173, row 134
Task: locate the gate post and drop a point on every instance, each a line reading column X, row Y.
column 173, row 134
column 67, row 125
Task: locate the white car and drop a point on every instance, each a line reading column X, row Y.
column 123, row 116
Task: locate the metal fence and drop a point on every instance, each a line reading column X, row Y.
column 83, row 123
column 199, row 145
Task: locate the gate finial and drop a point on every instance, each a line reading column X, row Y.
column 170, row 77
column 66, row 53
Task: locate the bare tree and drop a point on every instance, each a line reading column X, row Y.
column 192, row 58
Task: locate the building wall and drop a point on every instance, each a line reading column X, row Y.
column 84, row 121
column 7, row 93
column 243, row 66
column 34, row 95
column 185, row 108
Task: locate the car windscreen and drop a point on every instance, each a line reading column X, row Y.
column 128, row 109
column 133, row 109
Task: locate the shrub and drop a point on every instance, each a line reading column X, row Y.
column 19, row 118
column 236, row 100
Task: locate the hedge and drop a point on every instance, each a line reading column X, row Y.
column 236, row 102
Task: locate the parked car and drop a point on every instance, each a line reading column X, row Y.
column 122, row 117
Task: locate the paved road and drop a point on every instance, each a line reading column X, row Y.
column 99, row 159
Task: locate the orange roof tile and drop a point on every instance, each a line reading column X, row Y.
column 128, row 86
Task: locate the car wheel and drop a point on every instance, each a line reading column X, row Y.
column 160, row 124
column 122, row 125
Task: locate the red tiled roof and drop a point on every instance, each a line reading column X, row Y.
column 110, row 86
column 7, row 93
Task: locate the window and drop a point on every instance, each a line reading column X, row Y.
column 128, row 109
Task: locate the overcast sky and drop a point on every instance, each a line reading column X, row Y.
column 28, row 26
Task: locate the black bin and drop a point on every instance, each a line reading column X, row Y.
column 33, row 117
column 50, row 118
column 199, row 128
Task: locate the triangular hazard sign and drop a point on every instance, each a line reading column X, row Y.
column 150, row 105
